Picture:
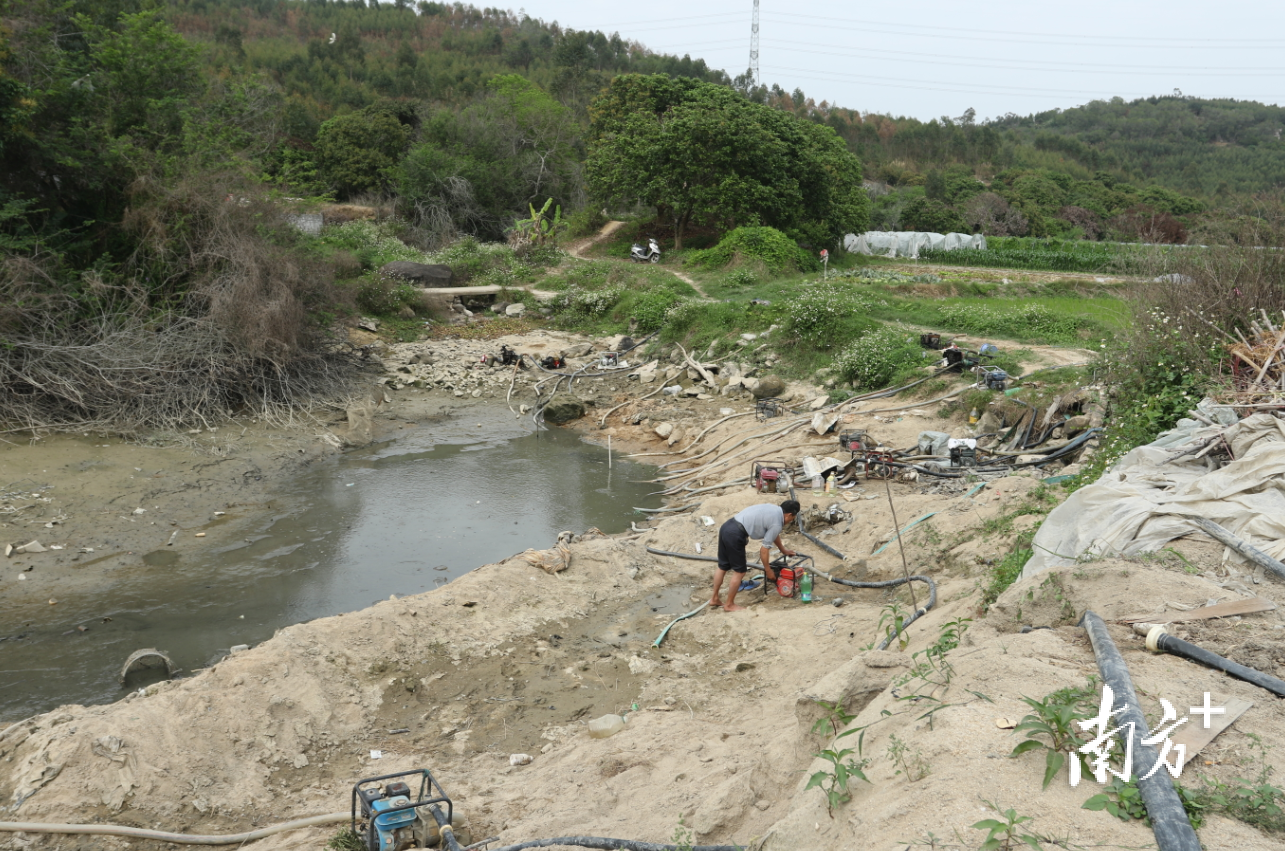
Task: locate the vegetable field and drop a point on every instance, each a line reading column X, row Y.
column 1057, row 257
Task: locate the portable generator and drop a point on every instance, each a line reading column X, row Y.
column 387, row 818
column 930, row 341
column 610, row 360
column 769, row 476
column 766, row 409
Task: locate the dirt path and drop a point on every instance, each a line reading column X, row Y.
column 577, row 249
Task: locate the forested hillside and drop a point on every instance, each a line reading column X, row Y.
column 330, row 57
column 1146, row 169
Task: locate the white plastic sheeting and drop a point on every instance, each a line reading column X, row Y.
column 1145, row 500
column 909, row 243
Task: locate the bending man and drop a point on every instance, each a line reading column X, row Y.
column 763, row 522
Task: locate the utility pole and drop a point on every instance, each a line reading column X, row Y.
column 754, row 46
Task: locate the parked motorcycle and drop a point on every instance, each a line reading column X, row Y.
column 651, row 254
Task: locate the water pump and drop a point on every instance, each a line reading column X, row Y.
column 388, row 818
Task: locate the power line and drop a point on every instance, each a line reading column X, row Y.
column 999, row 36
column 928, row 86
column 1033, row 65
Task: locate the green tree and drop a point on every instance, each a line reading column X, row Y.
column 928, row 214
column 482, row 167
column 702, row 154
column 357, row 152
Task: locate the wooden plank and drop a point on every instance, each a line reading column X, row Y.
column 1222, row 610
column 1194, row 735
column 489, row 289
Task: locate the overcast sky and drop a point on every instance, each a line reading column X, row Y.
column 928, row 58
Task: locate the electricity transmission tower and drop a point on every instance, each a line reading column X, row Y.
column 754, row 46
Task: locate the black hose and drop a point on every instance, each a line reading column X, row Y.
column 892, row 583
column 829, row 549
column 1030, row 426
column 1169, row 821
column 612, row 844
column 444, row 828
column 655, row 551
column 1172, row 644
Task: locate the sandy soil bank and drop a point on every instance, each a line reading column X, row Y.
column 512, row 659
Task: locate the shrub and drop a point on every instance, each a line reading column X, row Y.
column 577, row 304
column 742, row 278
column 383, row 296
column 586, row 221
column 821, row 313
column 774, row 249
column 373, row 243
column 875, row 358
column 469, row 258
column 650, row 309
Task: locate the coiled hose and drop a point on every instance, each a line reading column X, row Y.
column 1169, row 821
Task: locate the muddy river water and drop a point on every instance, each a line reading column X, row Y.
column 399, row 517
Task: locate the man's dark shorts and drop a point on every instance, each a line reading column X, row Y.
column 732, row 539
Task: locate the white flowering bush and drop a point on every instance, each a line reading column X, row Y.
column 875, row 358
column 576, row 303
column 818, row 314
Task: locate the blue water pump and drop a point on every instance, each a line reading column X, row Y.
column 388, row 818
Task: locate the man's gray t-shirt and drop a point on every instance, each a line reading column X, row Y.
column 763, row 522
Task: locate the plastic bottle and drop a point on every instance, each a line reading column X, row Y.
column 805, row 587
column 607, row 725
column 816, row 485
column 829, row 483
column 974, row 417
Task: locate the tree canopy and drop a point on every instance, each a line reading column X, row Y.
column 702, row 154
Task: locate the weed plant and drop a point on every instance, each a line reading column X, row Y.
column 908, row 761
column 1007, row 834
column 1051, row 727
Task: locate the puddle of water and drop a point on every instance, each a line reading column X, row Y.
column 673, row 600
column 399, row 518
